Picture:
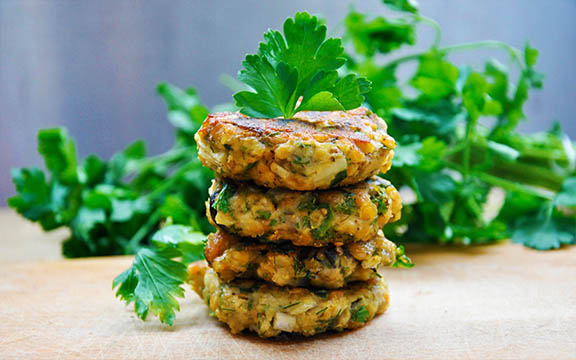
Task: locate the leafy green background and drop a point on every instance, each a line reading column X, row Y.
column 112, row 207
column 456, row 127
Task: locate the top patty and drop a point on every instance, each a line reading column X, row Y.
column 315, row 150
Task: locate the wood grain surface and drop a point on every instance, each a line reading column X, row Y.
column 491, row 302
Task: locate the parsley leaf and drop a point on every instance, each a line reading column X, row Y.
column 274, row 85
column 379, row 35
column 154, row 281
column 360, row 314
column 402, row 260
column 301, row 65
column 436, row 187
column 544, row 230
column 435, row 78
column 35, row 198
column 183, row 238
column 567, row 195
column 59, row 153
column 407, row 155
column 410, row 6
column 185, row 111
column 476, row 99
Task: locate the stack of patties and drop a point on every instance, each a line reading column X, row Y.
column 299, row 211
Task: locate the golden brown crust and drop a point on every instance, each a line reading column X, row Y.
column 313, row 218
column 196, row 272
column 315, row 150
column 270, row 310
column 330, row 267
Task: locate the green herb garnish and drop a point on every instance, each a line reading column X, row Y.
column 155, row 279
column 310, row 203
column 402, row 260
column 299, row 64
column 380, row 203
column 250, row 166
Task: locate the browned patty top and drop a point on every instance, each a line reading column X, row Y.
column 359, row 125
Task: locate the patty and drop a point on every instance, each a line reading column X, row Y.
column 270, row 310
column 329, row 267
column 311, row 218
column 315, row 150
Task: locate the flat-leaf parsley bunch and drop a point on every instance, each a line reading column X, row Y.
column 456, row 129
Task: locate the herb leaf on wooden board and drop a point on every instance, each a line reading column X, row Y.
column 155, row 279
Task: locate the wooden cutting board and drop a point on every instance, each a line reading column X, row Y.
column 492, row 302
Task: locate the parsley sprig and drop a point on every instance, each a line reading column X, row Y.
column 297, row 71
column 456, row 128
column 155, row 279
column 112, row 207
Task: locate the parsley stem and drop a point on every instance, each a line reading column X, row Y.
column 155, row 216
column 172, row 155
column 494, row 44
column 468, row 142
column 455, row 149
column 435, row 25
column 541, row 172
column 172, row 180
column 466, row 151
column 513, row 186
column 507, row 184
column 514, row 53
column 527, row 173
column 547, row 157
column 134, row 242
column 522, row 171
